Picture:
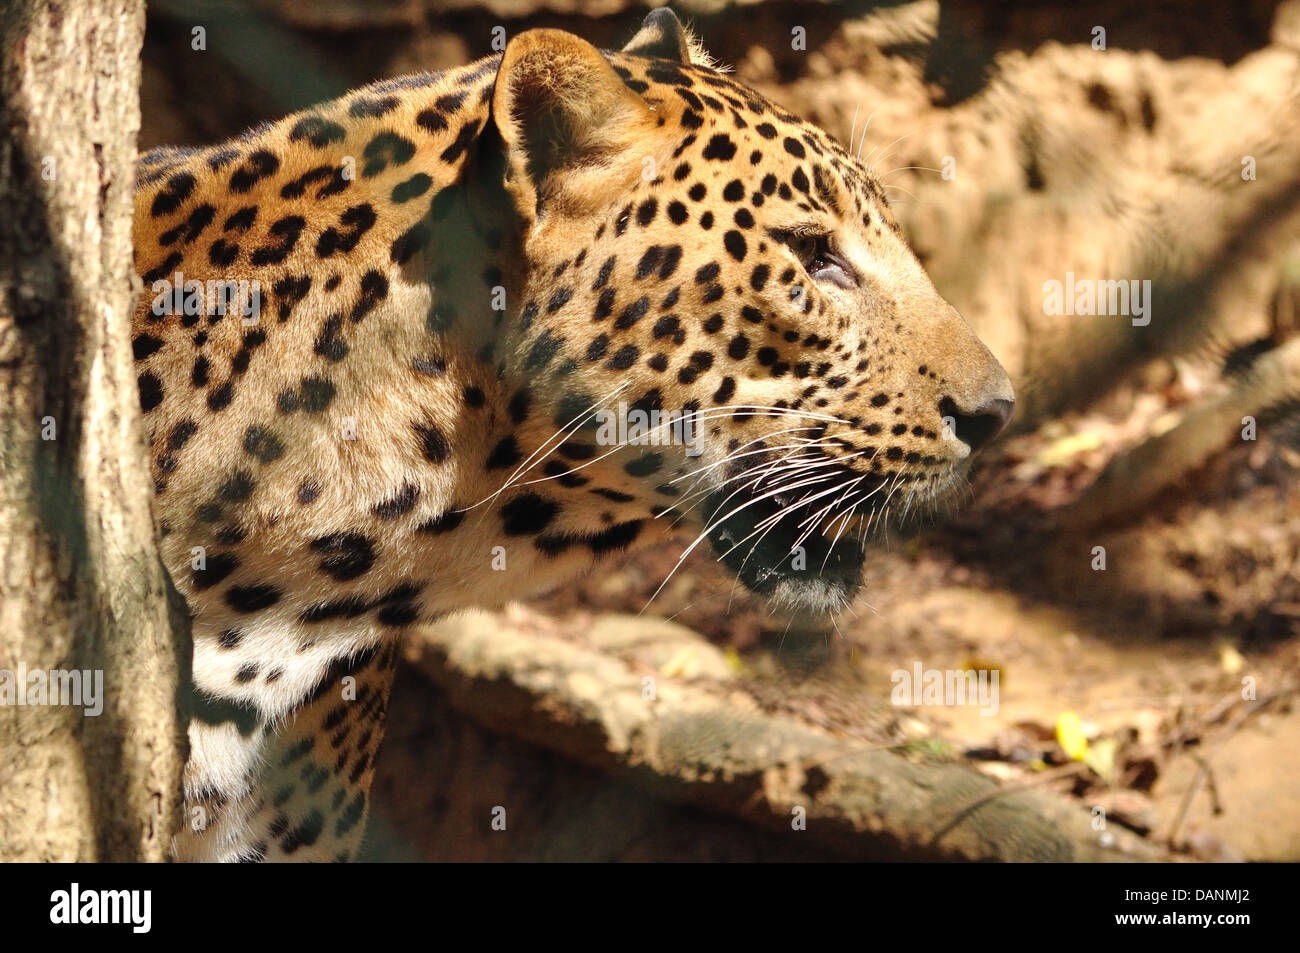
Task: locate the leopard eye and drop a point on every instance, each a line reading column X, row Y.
column 814, row 251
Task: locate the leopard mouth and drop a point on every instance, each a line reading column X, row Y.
column 762, row 535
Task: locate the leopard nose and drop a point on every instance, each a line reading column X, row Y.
column 977, row 427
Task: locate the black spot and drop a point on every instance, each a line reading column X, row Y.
column 329, row 344
column 374, row 289
column 220, row 398
column 543, row 350
column 624, row 358
column 528, row 514
column 181, row 434
column 263, row 444
column 349, row 607
column 178, row 189
column 151, row 390
column 505, row 454
column 649, row 261
column 252, row 598
column 444, row 523
column 645, row 212
column 287, row 231
column 237, row 488
column 463, row 138
column 410, row 242
column 518, row 407
column 256, row 167
column 412, row 188
column 190, row 229
column 144, row 345
column 558, row 300
column 795, row 148
column 347, row 555
column 614, row 495
column 163, row 270
column 298, row 187
column 318, row 131
column 399, row 614
column 604, row 274
column 356, row 221
column 572, row 407
column 385, row 148
column 216, row 568
column 317, row 392
column 308, row 492
column 720, row 147
column 399, row 504
column 707, row 273
column 289, row 290
column 372, row 108
column 735, row 245
column 433, row 443
column 633, row 313
column 307, row 832
column 430, row 120
column 672, row 258
column 644, row 465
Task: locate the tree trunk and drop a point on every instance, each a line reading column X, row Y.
column 81, row 585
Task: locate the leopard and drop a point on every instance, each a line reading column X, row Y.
column 377, row 338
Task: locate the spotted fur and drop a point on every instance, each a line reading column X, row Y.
column 454, row 271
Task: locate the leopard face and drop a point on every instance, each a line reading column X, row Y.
column 706, row 253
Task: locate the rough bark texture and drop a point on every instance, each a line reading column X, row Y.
column 81, row 584
column 705, row 741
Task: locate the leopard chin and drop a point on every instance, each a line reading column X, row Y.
column 765, row 540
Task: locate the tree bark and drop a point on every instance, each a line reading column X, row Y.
column 81, row 583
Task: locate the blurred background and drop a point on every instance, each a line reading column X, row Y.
column 1128, row 559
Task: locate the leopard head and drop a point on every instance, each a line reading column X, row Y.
column 691, row 250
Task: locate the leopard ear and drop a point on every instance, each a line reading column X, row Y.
column 567, row 122
column 661, row 36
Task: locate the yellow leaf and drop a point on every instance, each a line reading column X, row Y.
column 734, row 661
column 683, row 664
column 1061, row 452
column 1100, row 756
column 1069, row 733
column 1230, row 660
